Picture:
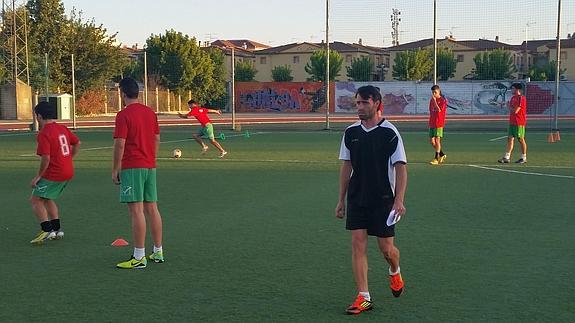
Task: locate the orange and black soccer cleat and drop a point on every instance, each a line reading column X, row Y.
column 396, row 284
column 360, row 305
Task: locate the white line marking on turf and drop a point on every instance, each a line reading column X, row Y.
column 520, row 172
column 498, row 138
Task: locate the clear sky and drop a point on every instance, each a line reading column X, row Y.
column 277, row 22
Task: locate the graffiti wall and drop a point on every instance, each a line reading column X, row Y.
column 481, row 97
column 281, row 97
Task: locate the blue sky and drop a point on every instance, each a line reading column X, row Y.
column 277, row 22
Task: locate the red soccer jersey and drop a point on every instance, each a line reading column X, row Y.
column 519, row 118
column 55, row 140
column 138, row 124
column 437, row 118
column 201, row 114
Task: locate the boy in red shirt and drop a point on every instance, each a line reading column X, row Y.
column 201, row 114
column 437, row 108
column 517, row 121
column 57, row 146
column 136, row 144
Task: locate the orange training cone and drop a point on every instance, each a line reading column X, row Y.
column 550, row 138
column 120, row 242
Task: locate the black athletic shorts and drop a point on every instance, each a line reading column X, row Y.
column 373, row 219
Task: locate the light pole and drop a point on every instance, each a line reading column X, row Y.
column 526, row 59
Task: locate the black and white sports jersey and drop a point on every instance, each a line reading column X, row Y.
column 372, row 153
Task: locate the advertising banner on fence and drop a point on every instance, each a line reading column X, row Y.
column 289, row 97
column 466, row 98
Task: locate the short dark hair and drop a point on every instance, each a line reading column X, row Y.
column 47, row 110
column 518, row 86
column 191, row 102
column 435, row 87
column 367, row 92
column 130, row 87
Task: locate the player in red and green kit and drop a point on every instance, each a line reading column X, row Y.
column 57, row 146
column 201, row 114
column 517, row 121
column 437, row 109
column 136, row 144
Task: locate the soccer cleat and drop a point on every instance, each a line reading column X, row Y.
column 205, row 149
column 157, row 257
column 434, row 161
column 43, row 236
column 503, row 160
column 58, row 235
column 223, row 154
column 133, row 263
column 442, row 159
column 359, row 305
column 396, row 284
column 520, row 161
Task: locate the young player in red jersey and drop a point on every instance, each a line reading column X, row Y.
column 437, row 109
column 57, row 146
column 201, row 114
column 517, row 121
column 136, row 144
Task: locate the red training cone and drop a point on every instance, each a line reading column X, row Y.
column 120, row 242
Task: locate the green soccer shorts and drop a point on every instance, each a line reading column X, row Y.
column 516, row 131
column 49, row 190
column 207, row 131
column 436, row 132
column 138, row 185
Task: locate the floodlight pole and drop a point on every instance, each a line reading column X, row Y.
column 73, row 95
column 557, row 70
column 326, row 83
column 434, row 42
column 233, row 89
column 145, row 77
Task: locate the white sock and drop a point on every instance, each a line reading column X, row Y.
column 158, row 249
column 507, row 155
column 394, row 273
column 139, row 253
column 366, row 296
column 524, row 156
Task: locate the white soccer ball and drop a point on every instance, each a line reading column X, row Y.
column 176, row 153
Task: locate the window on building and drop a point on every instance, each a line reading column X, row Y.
column 263, row 60
column 348, row 58
column 296, row 59
column 460, row 58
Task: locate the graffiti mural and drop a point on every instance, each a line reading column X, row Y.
column 280, row 97
column 465, row 98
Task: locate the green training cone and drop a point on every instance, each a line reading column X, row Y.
column 246, row 134
column 222, row 136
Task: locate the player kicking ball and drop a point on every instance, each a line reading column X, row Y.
column 57, row 147
column 201, row 114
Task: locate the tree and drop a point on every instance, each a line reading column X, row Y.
column 493, row 65
column 96, row 57
column 545, row 71
column 361, row 69
column 316, row 66
column 219, row 96
column 282, row 73
column 413, row 65
column 245, row 71
column 446, row 64
column 179, row 64
column 47, row 35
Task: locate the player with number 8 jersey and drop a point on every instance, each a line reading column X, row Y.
column 57, row 146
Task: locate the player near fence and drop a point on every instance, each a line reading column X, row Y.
column 517, row 122
column 136, row 144
column 437, row 111
column 373, row 179
column 207, row 129
column 57, row 146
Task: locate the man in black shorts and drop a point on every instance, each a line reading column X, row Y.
column 373, row 176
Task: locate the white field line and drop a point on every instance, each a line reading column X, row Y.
column 498, row 138
column 521, row 172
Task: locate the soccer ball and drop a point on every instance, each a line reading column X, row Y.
column 176, row 153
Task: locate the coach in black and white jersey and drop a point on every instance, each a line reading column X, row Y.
column 373, row 176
